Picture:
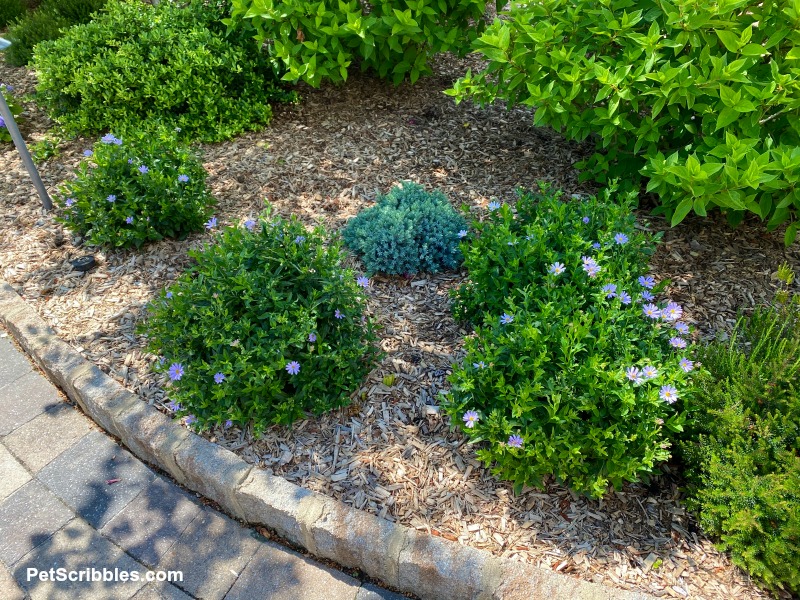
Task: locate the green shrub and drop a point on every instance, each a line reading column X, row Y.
column 31, row 29
column 138, row 62
column 702, row 97
column 407, row 231
column 742, row 448
column 319, row 40
column 265, row 326
column 10, row 10
column 575, row 371
column 140, row 189
column 15, row 108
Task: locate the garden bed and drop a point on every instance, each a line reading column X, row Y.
column 390, row 452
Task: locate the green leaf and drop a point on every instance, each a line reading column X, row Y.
column 683, row 208
column 791, row 233
column 729, row 39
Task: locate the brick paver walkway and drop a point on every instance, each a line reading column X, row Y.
column 71, row 498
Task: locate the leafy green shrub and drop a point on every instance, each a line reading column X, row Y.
column 15, row 108
column 47, row 23
column 575, row 372
column 407, row 231
column 319, row 40
column 265, row 326
column 138, row 62
column 140, row 189
column 702, row 97
column 10, row 10
column 743, row 444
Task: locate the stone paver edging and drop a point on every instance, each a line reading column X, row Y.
column 430, row 567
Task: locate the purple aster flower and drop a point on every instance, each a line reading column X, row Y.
column 672, row 312
column 228, row 424
column 175, row 371
column 250, row 224
column 621, row 239
column 470, row 418
column 363, row 281
column 493, row 205
column 129, row 220
column 338, row 314
column 647, row 282
column 668, row 393
column 219, row 377
column 143, row 170
column 130, row 161
column 111, row 198
column 117, row 142
column 211, row 223
column 633, row 373
column 191, row 420
column 312, row 337
column 9, row 88
column 556, row 268
column 647, row 296
column 479, row 365
column 596, row 245
column 585, row 219
column 681, row 328
column 677, row 342
column 174, row 406
column 299, row 239
column 183, row 178
column 462, row 233
column 686, row 365
column 69, row 202
column 169, row 295
column 108, row 139
column 610, row 290
column 651, row 310
column 625, row 297
column 650, row 372
column 506, row 318
column 515, row 441
column 87, row 153
column 2, row 122
column 293, row 368
column 592, row 269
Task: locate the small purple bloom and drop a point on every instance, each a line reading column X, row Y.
column 2, row 122
column 681, row 328
column 293, row 368
column 87, row 153
column 647, row 296
column 111, row 198
column 470, row 418
column 129, row 220
column 8, row 88
column 650, row 372
column 69, row 202
column 299, row 239
column 651, row 310
column 462, row 233
column 647, row 282
column 686, row 365
column 506, row 318
column 677, row 342
column 493, row 205
column 621, row 239
column 596, row 245
column 130, row 161
column 250, row 224
column 632, row 373
column 610, row 290
column 175, row 371
column 479, row 365
column 591, row 269
column 191, row 420
column 219, row 377
column 174, row 406
column 312, row 337
column 668, row 393
column 183, row 178
column 338, row 314
column 585, row 219
column 556, row 268
column 672, row 312
column 143, row 170
column 169, row 295
column 211, row 223
column 515, row 441
column 363, row 281
column 108, row 139
column 625, row 297
column 228, row 424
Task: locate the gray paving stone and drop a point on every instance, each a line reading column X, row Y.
column 28, row 518
column 153, row 521
column 160, row 591
column 373, row 592
column 61, row 426
column 211, row 553
column 14, row 475
column 79, row 477
column 280, row 574
column 9, row 590
column 76, row 547
column 27, row 397
column 13, row 364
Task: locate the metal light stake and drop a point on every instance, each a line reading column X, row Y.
column 11, row 124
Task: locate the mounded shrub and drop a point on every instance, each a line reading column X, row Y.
column 137, row 62
column 742, row 448
column 265, row 326
column 407, row 231
column 144, row 187
column 703, row 98
column 577, row 370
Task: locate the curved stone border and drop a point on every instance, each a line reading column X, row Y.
column 430, row 567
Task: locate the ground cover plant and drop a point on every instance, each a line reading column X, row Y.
column 407, row 231
column 265, row 326
column 141, row 187
column 702, row 98
column 742, row 450
column 15, row 108
column 578, row 368
column 137, row 62
column 320, row 40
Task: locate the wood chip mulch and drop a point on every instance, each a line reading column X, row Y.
column 391, row 452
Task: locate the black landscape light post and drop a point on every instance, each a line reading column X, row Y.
column 5, row 112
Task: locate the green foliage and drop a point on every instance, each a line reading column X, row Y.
column 407, row 231
column 319, row 40
column 15, row 108
column 743, row 445
column 702, row 97
column 266, row 298
column 140, row 189
column 46, row 23
column 10, row 10
column 138, row 62
column 558, row 365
